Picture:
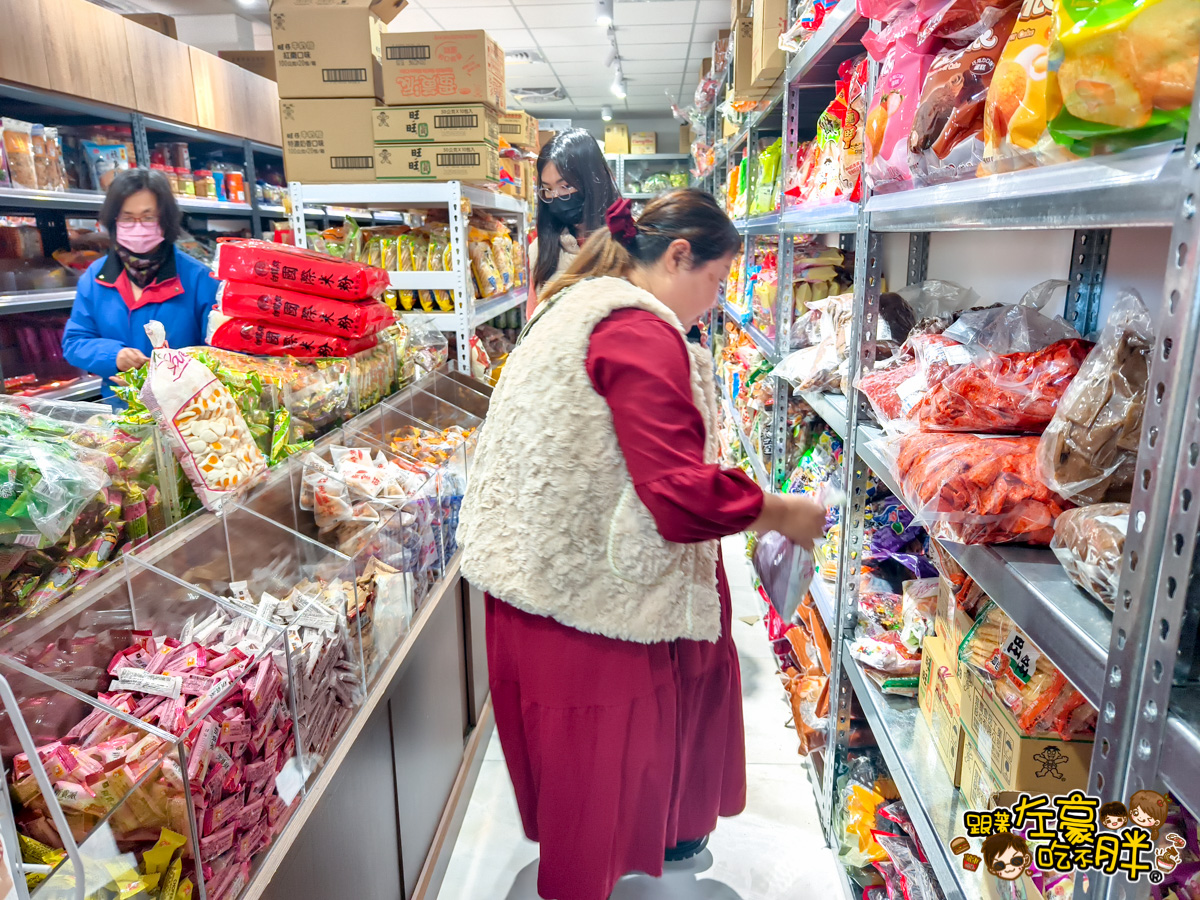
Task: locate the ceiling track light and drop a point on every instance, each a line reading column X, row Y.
column 619, row 88
column 606, row 113
column 604, row 12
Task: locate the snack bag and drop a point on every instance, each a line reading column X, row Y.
column 504, row 256
column 1089, row 541
column 904, row 61
column 767, row 187
column 946, row 142
column 1125, row 71
column 1015, row 115
column 303, row 311
column 18, row 146
column 408, row 299
column 201, row 421
column 1089, row 449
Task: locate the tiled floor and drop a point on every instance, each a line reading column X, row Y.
column 773, row 851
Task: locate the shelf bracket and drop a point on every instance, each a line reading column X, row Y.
column 1089, row 260
column 1158, row 569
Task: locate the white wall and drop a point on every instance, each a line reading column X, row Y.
column 219, row 32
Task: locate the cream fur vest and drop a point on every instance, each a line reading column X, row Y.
column 550, row 522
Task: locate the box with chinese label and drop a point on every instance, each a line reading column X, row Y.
column 616, row 139
column 441, row 67
column 437, row 162
column 1042, row 764
column 520, row 129
column 643, row 143
column 328, row 141
column 325, row 49
column 940, row 698
column 470, row 124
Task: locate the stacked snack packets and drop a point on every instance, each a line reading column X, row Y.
column 279, row 300
column 218, row 688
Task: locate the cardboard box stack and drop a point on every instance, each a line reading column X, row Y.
column 443, row 95
column 328, row 64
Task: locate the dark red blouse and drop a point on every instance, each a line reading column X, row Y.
column 639, row 364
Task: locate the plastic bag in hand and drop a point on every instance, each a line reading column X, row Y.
column 786, row 571
column 1089, row 541
column 1089, row 450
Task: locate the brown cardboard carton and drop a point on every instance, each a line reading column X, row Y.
column 520, row 129
column 164, row 25
column 767, row 60
column 940, row 699
column 439, row 67
column 529, row 182
column 329, row 48
column 326, row 141
column 616, row 139
column 471, row 124
column 979, row 786
column 1020, row 763
column 643, row 143
column 437, row 162
column 685, row 138
column 260, row 62
column 744, row 87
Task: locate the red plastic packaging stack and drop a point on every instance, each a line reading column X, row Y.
column 280, row 300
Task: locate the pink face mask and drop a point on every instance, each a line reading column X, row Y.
column 139, row 237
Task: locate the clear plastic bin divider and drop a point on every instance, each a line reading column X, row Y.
column 466, row 397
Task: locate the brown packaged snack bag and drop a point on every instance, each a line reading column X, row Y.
column 1089, row 541
column 946, row 142
column 1088, row 452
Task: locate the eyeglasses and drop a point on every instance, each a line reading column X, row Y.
column 126, row 219
column 561, row 193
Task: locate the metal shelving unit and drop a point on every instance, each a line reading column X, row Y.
column 617, row 163
column 389, row 199
column 1138, row 665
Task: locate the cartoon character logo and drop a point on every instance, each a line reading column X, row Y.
column 1170, row 856
column 1148, row 809
column 1006, row 855
column 1113, row 816
column 1050, row 758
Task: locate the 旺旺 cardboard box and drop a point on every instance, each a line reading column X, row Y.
column 326, row 141
column 329, row 48
column 520, row 129
column 1020, row 763
column 744, row 88
column 940, row 699
column 767, row 60
column 442, row 67
column 437, row 162
column 616, row 139
column 474, row 123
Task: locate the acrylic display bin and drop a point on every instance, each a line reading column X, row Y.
column 155, row 705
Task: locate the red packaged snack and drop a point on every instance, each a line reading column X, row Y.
column 883, row 388
column 1018, row 392
column 304, row 312
column 246, row 336
column 281, row 265
column 973, row 489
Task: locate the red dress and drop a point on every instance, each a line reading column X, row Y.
column 619, row 750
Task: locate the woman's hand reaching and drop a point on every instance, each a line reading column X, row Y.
column 797, row 518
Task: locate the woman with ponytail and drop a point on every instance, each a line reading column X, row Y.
column 592, row 520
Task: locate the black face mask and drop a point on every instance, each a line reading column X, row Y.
column 567, row 211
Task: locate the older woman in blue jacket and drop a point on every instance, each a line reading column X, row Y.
column 143, row 277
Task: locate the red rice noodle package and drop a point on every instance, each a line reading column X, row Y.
column 285, row 266
column 263, row 339
column 974, row 489
column 946, row 142
column 304, row 312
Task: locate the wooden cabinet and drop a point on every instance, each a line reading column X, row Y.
column 162, row 75
column 87, row 54
column 22, row 56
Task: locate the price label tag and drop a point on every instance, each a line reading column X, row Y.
column 957, row 355
column 910, row 391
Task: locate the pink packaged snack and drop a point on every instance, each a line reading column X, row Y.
column 904, row 59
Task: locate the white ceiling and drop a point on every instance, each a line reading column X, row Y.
column 661, row 42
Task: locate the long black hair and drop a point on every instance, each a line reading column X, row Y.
column 128, row 183
column 578, row 158
column 682, row 214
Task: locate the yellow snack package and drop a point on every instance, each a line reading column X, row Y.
column 1125, row 71
column 1017, row 110
column 502, row 253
